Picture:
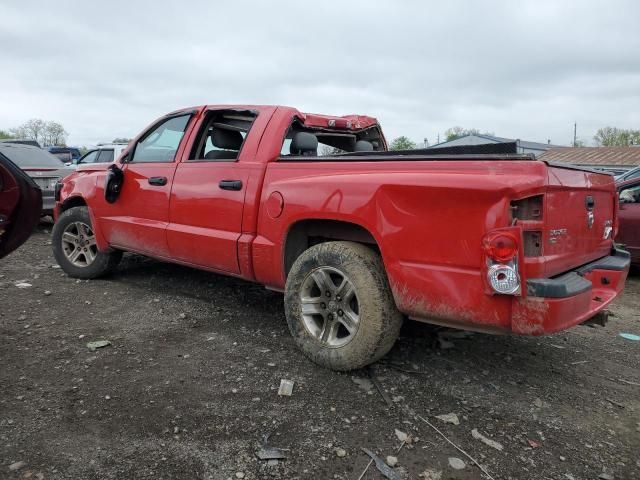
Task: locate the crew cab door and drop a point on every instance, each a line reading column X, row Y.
column 138, row 219
column 209, row 187
column 629, row 220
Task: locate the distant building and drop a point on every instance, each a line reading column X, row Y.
column 522, row 146
column 614, row 159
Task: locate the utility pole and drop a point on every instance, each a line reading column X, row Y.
column 575, row 130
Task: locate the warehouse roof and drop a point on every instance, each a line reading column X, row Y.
column 609, row 156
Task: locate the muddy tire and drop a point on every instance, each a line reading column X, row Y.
column 74, row 246
column 339, row 306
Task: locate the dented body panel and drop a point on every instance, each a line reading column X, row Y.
column 427, row 216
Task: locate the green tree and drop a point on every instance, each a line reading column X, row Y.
column 402, row 143
column 5, row 135
column 616, row 137
column 121, row 140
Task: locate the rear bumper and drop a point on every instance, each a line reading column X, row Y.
column 554, row 304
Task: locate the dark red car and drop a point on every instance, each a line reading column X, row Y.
column 629, row 218
column 20, row 205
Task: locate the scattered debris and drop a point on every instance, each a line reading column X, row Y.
column 392, row 461
column 269, row 453
column 457, row 463
column 47, row 292
column 612, row 402
column 380, row 388
column 17, row 466
column 371, row 461
column 605, row 476
column 449, row 418
column 445, row 344
column 482, row 469
column 23, row 285
column 286, row 388
column 403, row 437
column 341, row 452
column 382, row 467
column 628, row 336
column 93, row 346
column 364, row 383
column 431, row 474
column 239, row 474
column 533, row 443
column 538, row 403
column 580, row 362
column 487, row 441
column 629, row 382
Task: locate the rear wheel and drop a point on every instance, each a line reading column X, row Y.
column 339, row 307
column 75, row 248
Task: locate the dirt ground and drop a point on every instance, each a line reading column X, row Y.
column 188, row 387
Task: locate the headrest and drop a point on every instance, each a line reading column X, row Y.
column 363, row 146
column 226, row 139
column 304, row 143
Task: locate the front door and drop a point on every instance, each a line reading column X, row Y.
column 138, row 219
column 208, row 194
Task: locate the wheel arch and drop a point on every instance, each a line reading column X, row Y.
column 306, row 233
column 71, row 202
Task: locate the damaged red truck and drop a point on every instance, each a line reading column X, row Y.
column 357, row 237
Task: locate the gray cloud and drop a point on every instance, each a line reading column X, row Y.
column 523, row 69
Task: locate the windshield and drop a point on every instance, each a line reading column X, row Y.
column 25, row 156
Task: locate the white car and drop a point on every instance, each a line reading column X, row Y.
column 106, row 153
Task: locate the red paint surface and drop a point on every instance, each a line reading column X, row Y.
column 427, row 217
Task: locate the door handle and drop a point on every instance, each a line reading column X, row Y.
column 230, row 184
column 159, row 181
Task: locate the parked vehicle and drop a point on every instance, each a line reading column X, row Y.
column 629, row 217
column 65, row 154
column 20, row 206
column 629, row 174
column 106, row 153
column 21, row 141
column 356, row 241
column 45, row 169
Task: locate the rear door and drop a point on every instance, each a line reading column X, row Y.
column 208, row 193
column 138, row 219
column 629, row 220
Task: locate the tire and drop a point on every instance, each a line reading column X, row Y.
column 74, row 246
column 330, row 328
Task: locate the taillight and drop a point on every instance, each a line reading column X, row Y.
column 501, row 254
column 501, row 247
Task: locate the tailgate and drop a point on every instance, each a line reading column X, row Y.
column 579, row 216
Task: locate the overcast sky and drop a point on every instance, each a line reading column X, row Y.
column 519, row 69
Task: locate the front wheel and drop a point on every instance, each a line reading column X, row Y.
column 339, row 306
column 75, row 249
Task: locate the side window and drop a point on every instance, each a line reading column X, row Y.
column 90, row 157
column 161, row 143
column 630, row 195
column 222, row 136
column 105, row 156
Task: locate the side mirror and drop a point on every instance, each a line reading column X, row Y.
column 113, row 183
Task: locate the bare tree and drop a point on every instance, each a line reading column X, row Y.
column 46, row 133
column 616, row 137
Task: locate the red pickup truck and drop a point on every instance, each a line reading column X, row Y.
column 357, row 237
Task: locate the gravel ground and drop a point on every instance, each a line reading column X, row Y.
column 188, row 387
